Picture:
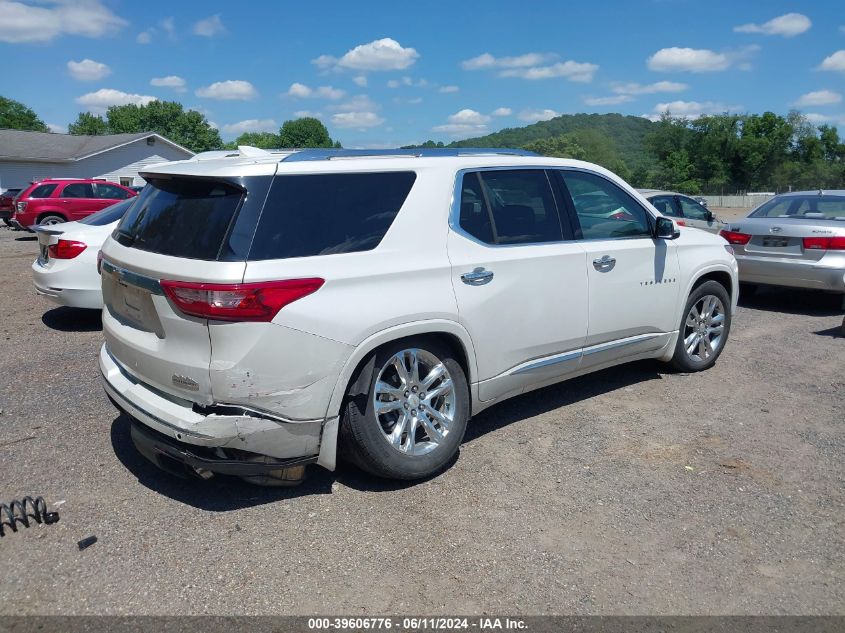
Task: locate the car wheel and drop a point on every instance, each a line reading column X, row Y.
column 412, row 419
column 48, row 220
column 7, row 222
column 704, row 328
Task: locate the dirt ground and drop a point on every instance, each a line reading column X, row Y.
column 630, row 491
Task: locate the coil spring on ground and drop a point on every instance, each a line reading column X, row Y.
column 16, row 512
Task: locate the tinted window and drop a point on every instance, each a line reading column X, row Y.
column 107, row 215
column 666, row 205
column 42, row 191
column 474, row 215
column 111, row 192
column 79, row 190
column 799, row 207
column 605, row 211
column 185, row 217
column 692, row 209
column 328, row 213
column 522, row 206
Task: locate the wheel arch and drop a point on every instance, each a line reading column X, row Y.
column 447, row 332
column 45, row 212
column 722, row 275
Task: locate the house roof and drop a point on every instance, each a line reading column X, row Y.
column 50, row 147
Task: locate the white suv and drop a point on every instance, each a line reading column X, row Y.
column 263, row 310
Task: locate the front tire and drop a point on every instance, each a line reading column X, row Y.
column 411, row 421
column 705, row 326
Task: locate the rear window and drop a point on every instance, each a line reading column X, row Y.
column 184, row 217
column 803, row 207
column 42, row 191
column 328, row 214
column 107, row 215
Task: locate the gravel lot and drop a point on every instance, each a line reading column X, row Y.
column 631, row 491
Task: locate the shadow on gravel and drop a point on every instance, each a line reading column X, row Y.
column 218, row 494
column 793, row 301
column 27, row 238
column 66, row 319
column 563, row 394
column 834, row 332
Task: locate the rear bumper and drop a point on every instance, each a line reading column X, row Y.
column 63, row 287
column 826, row 274
column 5, row 214
column 226, row 427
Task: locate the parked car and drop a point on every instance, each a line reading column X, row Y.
column 58, row 200
column 701, row 200
column 260, row 312
column 66, row 269
column 795, row 239
column 685, row 210
column 7, row 199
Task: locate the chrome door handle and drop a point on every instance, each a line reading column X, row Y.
column 604, row 264
column 477, row 277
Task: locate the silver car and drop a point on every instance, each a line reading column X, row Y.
column 685, row 210
column 795, row 239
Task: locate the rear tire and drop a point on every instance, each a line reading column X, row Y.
column 7, row 222
column 50, row 218
column 704, row 329
column 410, row 423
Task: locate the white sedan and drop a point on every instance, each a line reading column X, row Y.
column 66, row 268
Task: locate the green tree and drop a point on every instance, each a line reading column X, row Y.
column 264, row 140
column 562, row 146
column 89, row 124
column 305, row 132
column 16, row 116
column 188, row 128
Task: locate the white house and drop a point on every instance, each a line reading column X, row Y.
column 28, row 156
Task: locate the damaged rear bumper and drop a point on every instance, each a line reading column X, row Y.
column 192, row 431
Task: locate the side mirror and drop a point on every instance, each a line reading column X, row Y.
column 709, row 216
column 665, row 229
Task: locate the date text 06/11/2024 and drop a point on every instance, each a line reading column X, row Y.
column 417, row 623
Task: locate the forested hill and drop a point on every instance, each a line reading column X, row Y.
column 626, row 132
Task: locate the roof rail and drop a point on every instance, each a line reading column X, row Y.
column 420, row 152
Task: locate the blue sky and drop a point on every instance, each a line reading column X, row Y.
column 383, row 74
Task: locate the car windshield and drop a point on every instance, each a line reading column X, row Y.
column 810, row 207
column 109, row 214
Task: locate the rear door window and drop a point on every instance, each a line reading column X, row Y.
column 509, row 207
column 183, row 217
column 666, row 205
column 110, row 192
column 42, row 191
column 692, row 209
column 78, row 190
column 326, row 214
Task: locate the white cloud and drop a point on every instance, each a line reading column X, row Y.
column 532, row 116
column 101, row 99
column 301, row 114
column 406, row 81
column 415, row 100
column 486, row 60
column 690, row 109
column 48, row 20
column 835, row 62
column 250, row 125
column 356, row 120
column 606, row 101
column 818, row 98
column 633, row 88
column 169, row 26
column 301, row 91
column 358, row 103
column 88, row 70
column 467, row 116
column 210, row 26
column 228, row 90
column 818, row 119
column 171, row 81
column 144, row 37
column 464, row 123
column 56, row 128
column 448, row 89
column 694, row 60
column 378, row 55
column 360, row 80
column 502, row 112
column 788, row 25
column 573, row 71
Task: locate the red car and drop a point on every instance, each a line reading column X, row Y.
column 56, row 200
column 6, row 207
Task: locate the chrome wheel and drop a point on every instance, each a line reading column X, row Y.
column 704, row 328
column 50, row 220
column 414, row 401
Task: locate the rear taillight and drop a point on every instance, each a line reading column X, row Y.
column 20, row 206
column 238, row 302
column 66, row 249
column 735, row 237
column 680, row 223
column 824, row 243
